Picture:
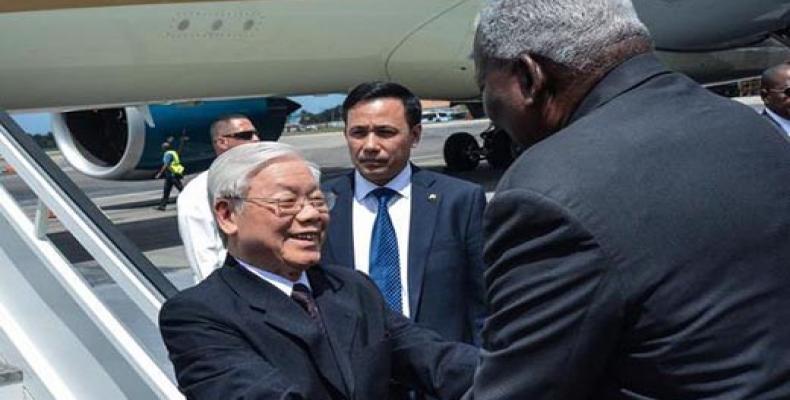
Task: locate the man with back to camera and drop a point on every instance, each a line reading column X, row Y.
column 423, row 247
column 775, row 92
column 276, row 323
column 639, row 249
column 202, row 244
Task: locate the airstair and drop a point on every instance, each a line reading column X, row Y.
column 58, row 339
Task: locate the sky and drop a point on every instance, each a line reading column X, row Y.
column 39, row 123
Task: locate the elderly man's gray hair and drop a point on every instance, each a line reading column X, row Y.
column 230, row 174
column 569, row 32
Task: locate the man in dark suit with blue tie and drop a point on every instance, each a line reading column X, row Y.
column 276, row 323
column 416, row 233
column 640, row 248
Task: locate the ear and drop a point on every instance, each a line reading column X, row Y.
column 532, row 77
column 416, row 134
column 225, row 216
column 763, row 93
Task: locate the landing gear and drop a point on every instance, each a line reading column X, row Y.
column 462, row 153
column 498, row 144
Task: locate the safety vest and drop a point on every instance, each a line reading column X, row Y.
column 175, row 164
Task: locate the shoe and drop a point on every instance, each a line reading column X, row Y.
column 160, row 208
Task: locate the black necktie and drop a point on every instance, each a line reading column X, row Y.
column 301, row 294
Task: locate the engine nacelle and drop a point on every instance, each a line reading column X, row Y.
column 122, row 144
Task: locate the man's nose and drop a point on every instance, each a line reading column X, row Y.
column 308, row 212
column 371, row 143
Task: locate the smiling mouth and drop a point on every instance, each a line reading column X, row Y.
column 307, row 236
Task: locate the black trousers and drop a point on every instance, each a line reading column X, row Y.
column 170, row 181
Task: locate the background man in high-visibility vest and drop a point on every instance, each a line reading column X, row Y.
column 173, row 171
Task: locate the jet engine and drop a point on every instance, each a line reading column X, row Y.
column 125, row 143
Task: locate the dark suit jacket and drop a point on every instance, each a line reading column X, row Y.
column 642, row 252
column 445, row 262
column 235, row 336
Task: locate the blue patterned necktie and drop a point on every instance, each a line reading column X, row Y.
column 384, row 259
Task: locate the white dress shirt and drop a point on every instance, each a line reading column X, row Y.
column 783, row 122
column 198, row 230
column 280, row 282
column 363, row 215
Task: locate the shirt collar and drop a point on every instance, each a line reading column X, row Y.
column 400, row 183
column 280, row 282
column 783, row 122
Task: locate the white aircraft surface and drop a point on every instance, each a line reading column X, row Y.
column 81, row 54
column 74, row 57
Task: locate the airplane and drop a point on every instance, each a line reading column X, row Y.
column 121, row 76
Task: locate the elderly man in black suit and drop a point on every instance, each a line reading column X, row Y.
column 273, row 323
column 640, row 249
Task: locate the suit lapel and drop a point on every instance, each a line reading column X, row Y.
column 340, row 319
column 285, row 315
column 425, row 203
column 773, row 121
column 340, row 235
column 777, row 125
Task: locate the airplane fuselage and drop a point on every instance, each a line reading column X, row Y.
column 75, row 54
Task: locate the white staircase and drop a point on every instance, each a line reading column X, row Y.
column 64, row 339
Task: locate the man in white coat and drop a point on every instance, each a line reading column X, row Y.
column 202, row 244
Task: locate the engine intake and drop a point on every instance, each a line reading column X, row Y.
column 118, row 143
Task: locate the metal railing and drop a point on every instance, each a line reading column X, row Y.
column 68, row 343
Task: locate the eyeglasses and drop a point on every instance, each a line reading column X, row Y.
column 289, row 207
column 243, row 135
column 786, row 91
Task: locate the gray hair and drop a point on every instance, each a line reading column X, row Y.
column 229, row 175
column 573, row 33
